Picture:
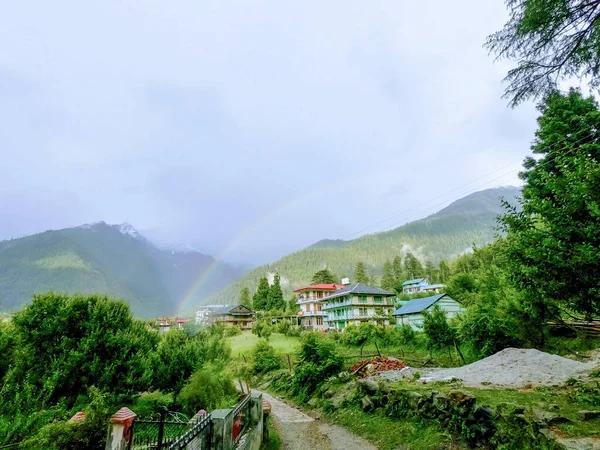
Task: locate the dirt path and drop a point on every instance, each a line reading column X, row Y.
column 301, row 432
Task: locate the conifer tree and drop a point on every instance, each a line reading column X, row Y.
column 275, row 297
column 398, row 272
column 388, row 280
column 259, row 299
column 245, row 298
column 431, row 272
column 412, row 266
column 444, row 273
column 360, row 273
column 323, row 277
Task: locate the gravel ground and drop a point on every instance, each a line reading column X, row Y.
column 299, row 431
column 511, row 367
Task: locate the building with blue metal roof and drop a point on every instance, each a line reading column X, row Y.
column 411, row 313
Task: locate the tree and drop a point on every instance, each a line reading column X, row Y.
column 360, row 273
column 388, row 280
column 552, row 40
column 292, row 307
column 398, row 272
column 444, row 271
column 412, row 266
column 436, row 328
column 552, row 243
column 245, row 298
column 259, row 299
column 323, row 277
column 275, row 297
column 431, row 272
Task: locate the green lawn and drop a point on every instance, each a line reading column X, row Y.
column 243, row 343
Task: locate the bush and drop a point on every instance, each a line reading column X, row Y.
column 151, row 402
column 208, row 388
column 436, row 328
column 262, row 329
column 357, row 335
column 232, row 331
column 407, row 334
column 283, row 327
column 317, row 361
column 264, row 358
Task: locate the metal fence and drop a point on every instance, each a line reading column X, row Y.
column 242, row 419
column 157, row 432
column 196, row 438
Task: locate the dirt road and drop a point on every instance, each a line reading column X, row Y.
column 301, row 432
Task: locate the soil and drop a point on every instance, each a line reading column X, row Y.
column 511, row 367
column 299, row 431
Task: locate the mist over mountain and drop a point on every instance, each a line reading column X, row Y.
column 110, row 259
column 451, row 231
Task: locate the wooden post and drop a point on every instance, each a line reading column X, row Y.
column 289, row 362
column 377, row 347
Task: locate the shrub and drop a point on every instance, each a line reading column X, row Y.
column 208, row 388
column 317, row 361
column 283, row 327
column 262, row 329
column 232, row 331
column 150, row 402
column 357, row 335
column 295, row 331
column 436, row 328
column 264, row 358
column 407, row 334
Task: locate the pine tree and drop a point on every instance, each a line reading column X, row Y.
column 323, row 277
column 431, row 272
column 245, row 298
column 444, row 271
column 360, row 273
column 397, row 267
column 388, row 280
column 275, row 297
column 412, row 266
column 259, row 299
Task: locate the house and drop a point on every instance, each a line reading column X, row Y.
column 433, row 288
column 416, row 285
column 164, row 324
column 357, row 303
column 234, row 316
column 311, row 315
column 180, row 322
column 411, row 313
column 203, row 313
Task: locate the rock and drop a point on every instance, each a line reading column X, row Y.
column 549, row 435
column 414, row 400
column 507, row 408
column 327, row 394
column 441, row 402
column 588, row 415
column 368, row 386
column 461, row 398
column 386, row 386
column 367, row 404
column 579, row 443
column 548, row 418
column 554, row 406
column 312, row 402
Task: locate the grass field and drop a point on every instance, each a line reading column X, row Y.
column 243, row 343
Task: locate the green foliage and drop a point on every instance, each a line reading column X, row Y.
column 7, row 346
column 245, row 297
column 67, row 343
column 323, row 277
column 232, row 331
column 264, row 358
column 388, row 279
column 151, row 402
column 407, row 334
column 360, row 273
column 262, row 329
column 462, row 286
column 552, row 244
column 209, row 388
column 552, row 40
column 283, row 327
column 413, row 267
column 259, row 299
column 318, row 360
column 435, row 326
column 275, row 299
column 292, row 307
column 357, row 335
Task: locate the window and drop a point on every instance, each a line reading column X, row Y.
column 362, row 299
column 319, row 321
column 378, row 299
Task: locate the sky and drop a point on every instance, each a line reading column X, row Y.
column 250, row 129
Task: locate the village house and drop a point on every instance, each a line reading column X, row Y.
column 357, row 303
column 234, row 316
column 415, row 285
column 311, row 315
column 411, row 313
column 433, row 288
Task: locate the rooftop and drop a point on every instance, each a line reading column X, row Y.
column 321, row 287
column 414, row 281
column 359, row 288
column 417, row 305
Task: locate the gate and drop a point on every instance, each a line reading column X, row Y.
column 158, row 431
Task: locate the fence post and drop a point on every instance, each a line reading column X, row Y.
column 161, row 427
column 119, row 431
column 222, row 437
column 257, row 416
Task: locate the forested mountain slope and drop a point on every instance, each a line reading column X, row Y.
column 453, row 230
column 102, row 258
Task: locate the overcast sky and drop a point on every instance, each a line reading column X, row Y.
column 249, row 129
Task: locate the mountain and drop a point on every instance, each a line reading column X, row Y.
column 444, row 235
column 112, row 259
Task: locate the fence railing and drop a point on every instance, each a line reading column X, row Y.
column 241, row 419
column 198, row 437
column 157, row 433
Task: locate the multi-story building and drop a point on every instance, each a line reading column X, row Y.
column 358, row 303
column 416, row 285
column 309, row 298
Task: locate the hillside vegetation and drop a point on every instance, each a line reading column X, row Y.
column 443, row 235
column 109, row 259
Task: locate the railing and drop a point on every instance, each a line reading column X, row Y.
column 332, row 305
column 313, row 313
column 198, row 437
column 158, row 431
column 308, row 299
column 242, row 420
column 333, row 318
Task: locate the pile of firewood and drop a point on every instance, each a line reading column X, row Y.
column 368, row 367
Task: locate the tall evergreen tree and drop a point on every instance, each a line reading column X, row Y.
column 360, row 273
column 245, row 298
column 323, row 277
column 412, row 266
column 431, row 272
column 398, row 272
column 444, row 271
column 553, row 242
column 275, row 297
column 388, row 280
column 259, row 299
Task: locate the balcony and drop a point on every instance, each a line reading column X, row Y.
column 302, row 300
column 313, row 313
column 352, row 316
column 355, row 302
